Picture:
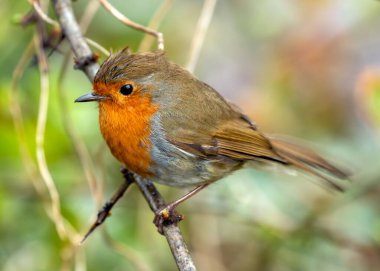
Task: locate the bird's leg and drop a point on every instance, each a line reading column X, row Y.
column 167, row 214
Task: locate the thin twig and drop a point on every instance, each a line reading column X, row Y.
column 154, row 23
column 28, row 162
column 98, row 46
column 18, row 120
column 85, row 21
column 81, row 50
column 94, row 183
column 118, row 15
column 106, row 210
column 200, row 33
column 78, row 144
column 75, row 37
column 88, row 15
column 65, row 233
column 40, row 138
column 42, row 14
column 80, row 260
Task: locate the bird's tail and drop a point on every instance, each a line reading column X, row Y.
column 307, row 160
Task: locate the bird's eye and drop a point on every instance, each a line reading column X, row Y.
column 126, row 89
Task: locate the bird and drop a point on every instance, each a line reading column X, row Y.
column 165, row 125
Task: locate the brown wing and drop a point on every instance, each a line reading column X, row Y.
column 238, row 140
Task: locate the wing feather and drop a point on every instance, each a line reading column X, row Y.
column 238, row 140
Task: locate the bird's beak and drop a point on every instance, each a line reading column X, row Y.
column 91, row 97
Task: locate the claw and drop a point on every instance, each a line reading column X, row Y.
column 166, row 216
column 165, row 213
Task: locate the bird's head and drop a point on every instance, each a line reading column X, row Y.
column 124, row 77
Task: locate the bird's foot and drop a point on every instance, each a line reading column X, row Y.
column 166, row 216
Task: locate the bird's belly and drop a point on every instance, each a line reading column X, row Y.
column 180, row 172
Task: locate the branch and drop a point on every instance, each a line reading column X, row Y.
column 84, row 56
column 42, row 14
column 106, row 209
column 154, row 23
column 86, row 62
column 55, row 211
column 171, row 231
column 118, row 15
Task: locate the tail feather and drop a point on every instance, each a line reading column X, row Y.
column 308, row 161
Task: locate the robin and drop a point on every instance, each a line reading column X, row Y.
column 164, row 124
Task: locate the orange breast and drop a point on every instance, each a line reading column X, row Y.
column 126, row 129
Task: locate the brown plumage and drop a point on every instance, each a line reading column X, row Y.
column 162, row 122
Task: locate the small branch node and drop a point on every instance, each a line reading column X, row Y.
column 82, row 62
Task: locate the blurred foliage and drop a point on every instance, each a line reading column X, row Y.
column 305, row 68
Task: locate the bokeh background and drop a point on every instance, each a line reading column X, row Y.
column 308, row 69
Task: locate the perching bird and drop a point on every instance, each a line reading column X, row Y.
column 164, row 124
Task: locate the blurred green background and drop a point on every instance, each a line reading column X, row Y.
column 308, row 69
